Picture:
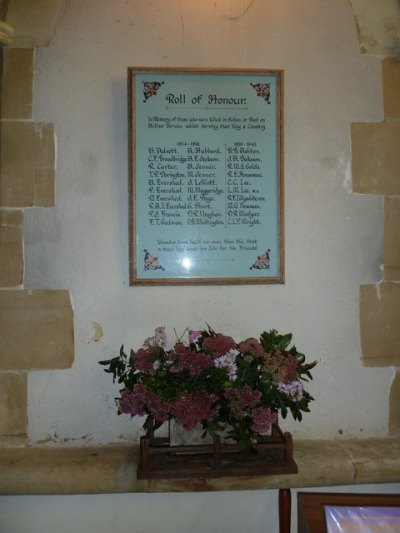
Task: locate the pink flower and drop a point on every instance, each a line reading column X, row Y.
column 262, row 419
column 284, row 368
column 158, row 408
column 159, row 339
column 241, row 399
column 185, row 359
column 290, row 372
column 145, row 359
column 251, row 346
column 219, row 345
column 130, row 404
column 193, row 336
column 192, row 408
column 180, row 347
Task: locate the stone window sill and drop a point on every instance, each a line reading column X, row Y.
column 112, row 469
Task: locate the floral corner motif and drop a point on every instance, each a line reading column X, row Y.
column 263, row 90
column 150, row 88
column 151, row 262
column 262, row 262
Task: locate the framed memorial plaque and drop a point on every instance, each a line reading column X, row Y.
column 206, row 176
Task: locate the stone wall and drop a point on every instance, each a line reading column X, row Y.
column 36, row 326
column 376, row 170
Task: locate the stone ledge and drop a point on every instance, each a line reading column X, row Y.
column 112, row 469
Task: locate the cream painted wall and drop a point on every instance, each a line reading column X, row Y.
column 333, row 238
column 253, row 511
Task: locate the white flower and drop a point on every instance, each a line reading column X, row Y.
column 228, row 361
column 156, row 364
column 293, row 389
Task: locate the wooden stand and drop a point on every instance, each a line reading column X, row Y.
column 159, row 460
column 285, row 508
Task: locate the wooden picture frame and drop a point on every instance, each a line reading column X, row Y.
column 311, row 506
column 206, row 176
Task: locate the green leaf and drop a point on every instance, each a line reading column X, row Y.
column 285, row 341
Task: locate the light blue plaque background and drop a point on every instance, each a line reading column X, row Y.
column 346, row 519
column 227, row 109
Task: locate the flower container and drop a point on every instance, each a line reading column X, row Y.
column 272, row 454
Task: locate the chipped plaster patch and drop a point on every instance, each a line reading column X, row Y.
column 345, row 169
column 378, row 291
column 242, row 14
column 89, row 159
column 378, row 26
column 98, row 332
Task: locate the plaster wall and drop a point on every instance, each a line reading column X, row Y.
column 334, row 239
column 221, row 512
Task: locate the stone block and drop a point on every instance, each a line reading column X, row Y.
column 17, row 84
column 13, row 404
column 27, row 169
column 374, row 459
column 391, row 88
column 11, row 250
column 392, row 239
column 34, row 21
column 376, row 158
column 36, row 329
column 379, row 324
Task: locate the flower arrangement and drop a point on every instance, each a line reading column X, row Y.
column 231, row 389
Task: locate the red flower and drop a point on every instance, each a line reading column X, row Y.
column 130, row 404
column 262, row 419
column 192, row 408
column 284, row 368
column 186, row 359
column 252, row 346
column 145, row 359
column 218, row 345
column 241, row 399
column 159, row 408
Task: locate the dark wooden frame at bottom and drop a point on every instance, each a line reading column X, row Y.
column 273, row 455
